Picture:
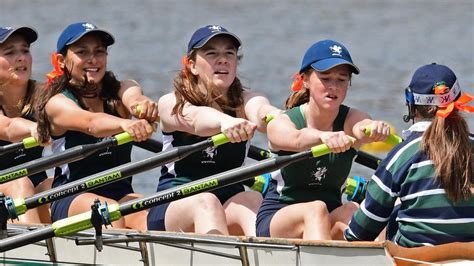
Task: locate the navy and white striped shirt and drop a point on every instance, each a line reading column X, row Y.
column 426, row 215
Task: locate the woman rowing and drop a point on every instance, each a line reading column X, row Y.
column 304, row 199
column 16, row 114
column 208, row 98
column 83, row 103
column 431, row 172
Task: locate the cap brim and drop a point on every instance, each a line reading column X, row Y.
column 107, row 37
column 30, row 34
column 326, row 64
column 203, row 42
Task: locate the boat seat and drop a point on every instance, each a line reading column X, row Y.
column 452, row 252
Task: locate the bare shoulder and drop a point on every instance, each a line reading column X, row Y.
column 60, row 103
column 126, row 83
column 167, row 100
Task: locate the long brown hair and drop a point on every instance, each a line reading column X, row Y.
column 446, row 142
column 188, row 89
column 108, row 93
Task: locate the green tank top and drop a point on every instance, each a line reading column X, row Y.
column 316, row 178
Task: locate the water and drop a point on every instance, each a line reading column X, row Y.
column 388, row 40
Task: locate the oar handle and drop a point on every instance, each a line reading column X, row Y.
column 30, row 142
column 323, row 149
column 392, row 139
column 123, row 138
column 219, row 139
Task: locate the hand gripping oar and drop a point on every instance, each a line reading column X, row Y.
column 370, row 160
column 70, row 155
column 114, row 212
column 20, row 206
column 26, row 143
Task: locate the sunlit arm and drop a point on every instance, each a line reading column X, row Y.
column 15, row 129
column 196, row 120
column 257, row 107
column 283, row 135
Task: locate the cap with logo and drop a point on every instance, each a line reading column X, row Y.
column 75, row 31
column 437, row 85
column 30, row 34
column 202, row 35
column 327, row 54
column 424, row 82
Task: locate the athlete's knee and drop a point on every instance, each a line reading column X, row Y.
column 206, row 202
column 349, row 209
column 318, row 209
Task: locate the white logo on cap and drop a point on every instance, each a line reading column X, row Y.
column 88, row 26
column 215, row 28
column 336, row 50
column 6, row 28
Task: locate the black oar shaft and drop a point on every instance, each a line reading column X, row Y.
column 10, row 148
column 114, row 174
column 26, row 143
column 81, row 222
column 367, row 160
column 153, row 145
column 44, row 163
column 26, row 238
column 215, row 181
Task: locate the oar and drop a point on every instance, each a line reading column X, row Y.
column 156, row 146
column 67, row 156
column 20, row 206
column 114, row 212
column 26, row 143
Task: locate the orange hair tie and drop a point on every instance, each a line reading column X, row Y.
column 297, row 82
column 460, row 104
column 185, row 63
column 57, row 71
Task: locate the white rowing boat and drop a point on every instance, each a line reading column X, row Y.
column 167, row 248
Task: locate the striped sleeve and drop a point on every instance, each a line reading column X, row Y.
column 382, row 192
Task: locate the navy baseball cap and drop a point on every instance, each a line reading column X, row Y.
column 202, row 35
column 30, row 34
column 76, row 31
column 327, row 54
column 421, row 90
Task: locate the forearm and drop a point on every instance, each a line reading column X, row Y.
column 103, row 125
column 298, row 140
column 264, row 112
column 206, row 121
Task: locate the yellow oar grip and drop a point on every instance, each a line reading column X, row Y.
column 320, row 150
column 392, row 139
column 323, row 149
column 30, row 142
column 123, row 138
column 219, row 139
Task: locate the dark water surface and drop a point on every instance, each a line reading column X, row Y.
column 388, row 40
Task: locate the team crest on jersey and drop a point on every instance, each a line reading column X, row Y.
column 209, row 155
column 318, row 175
